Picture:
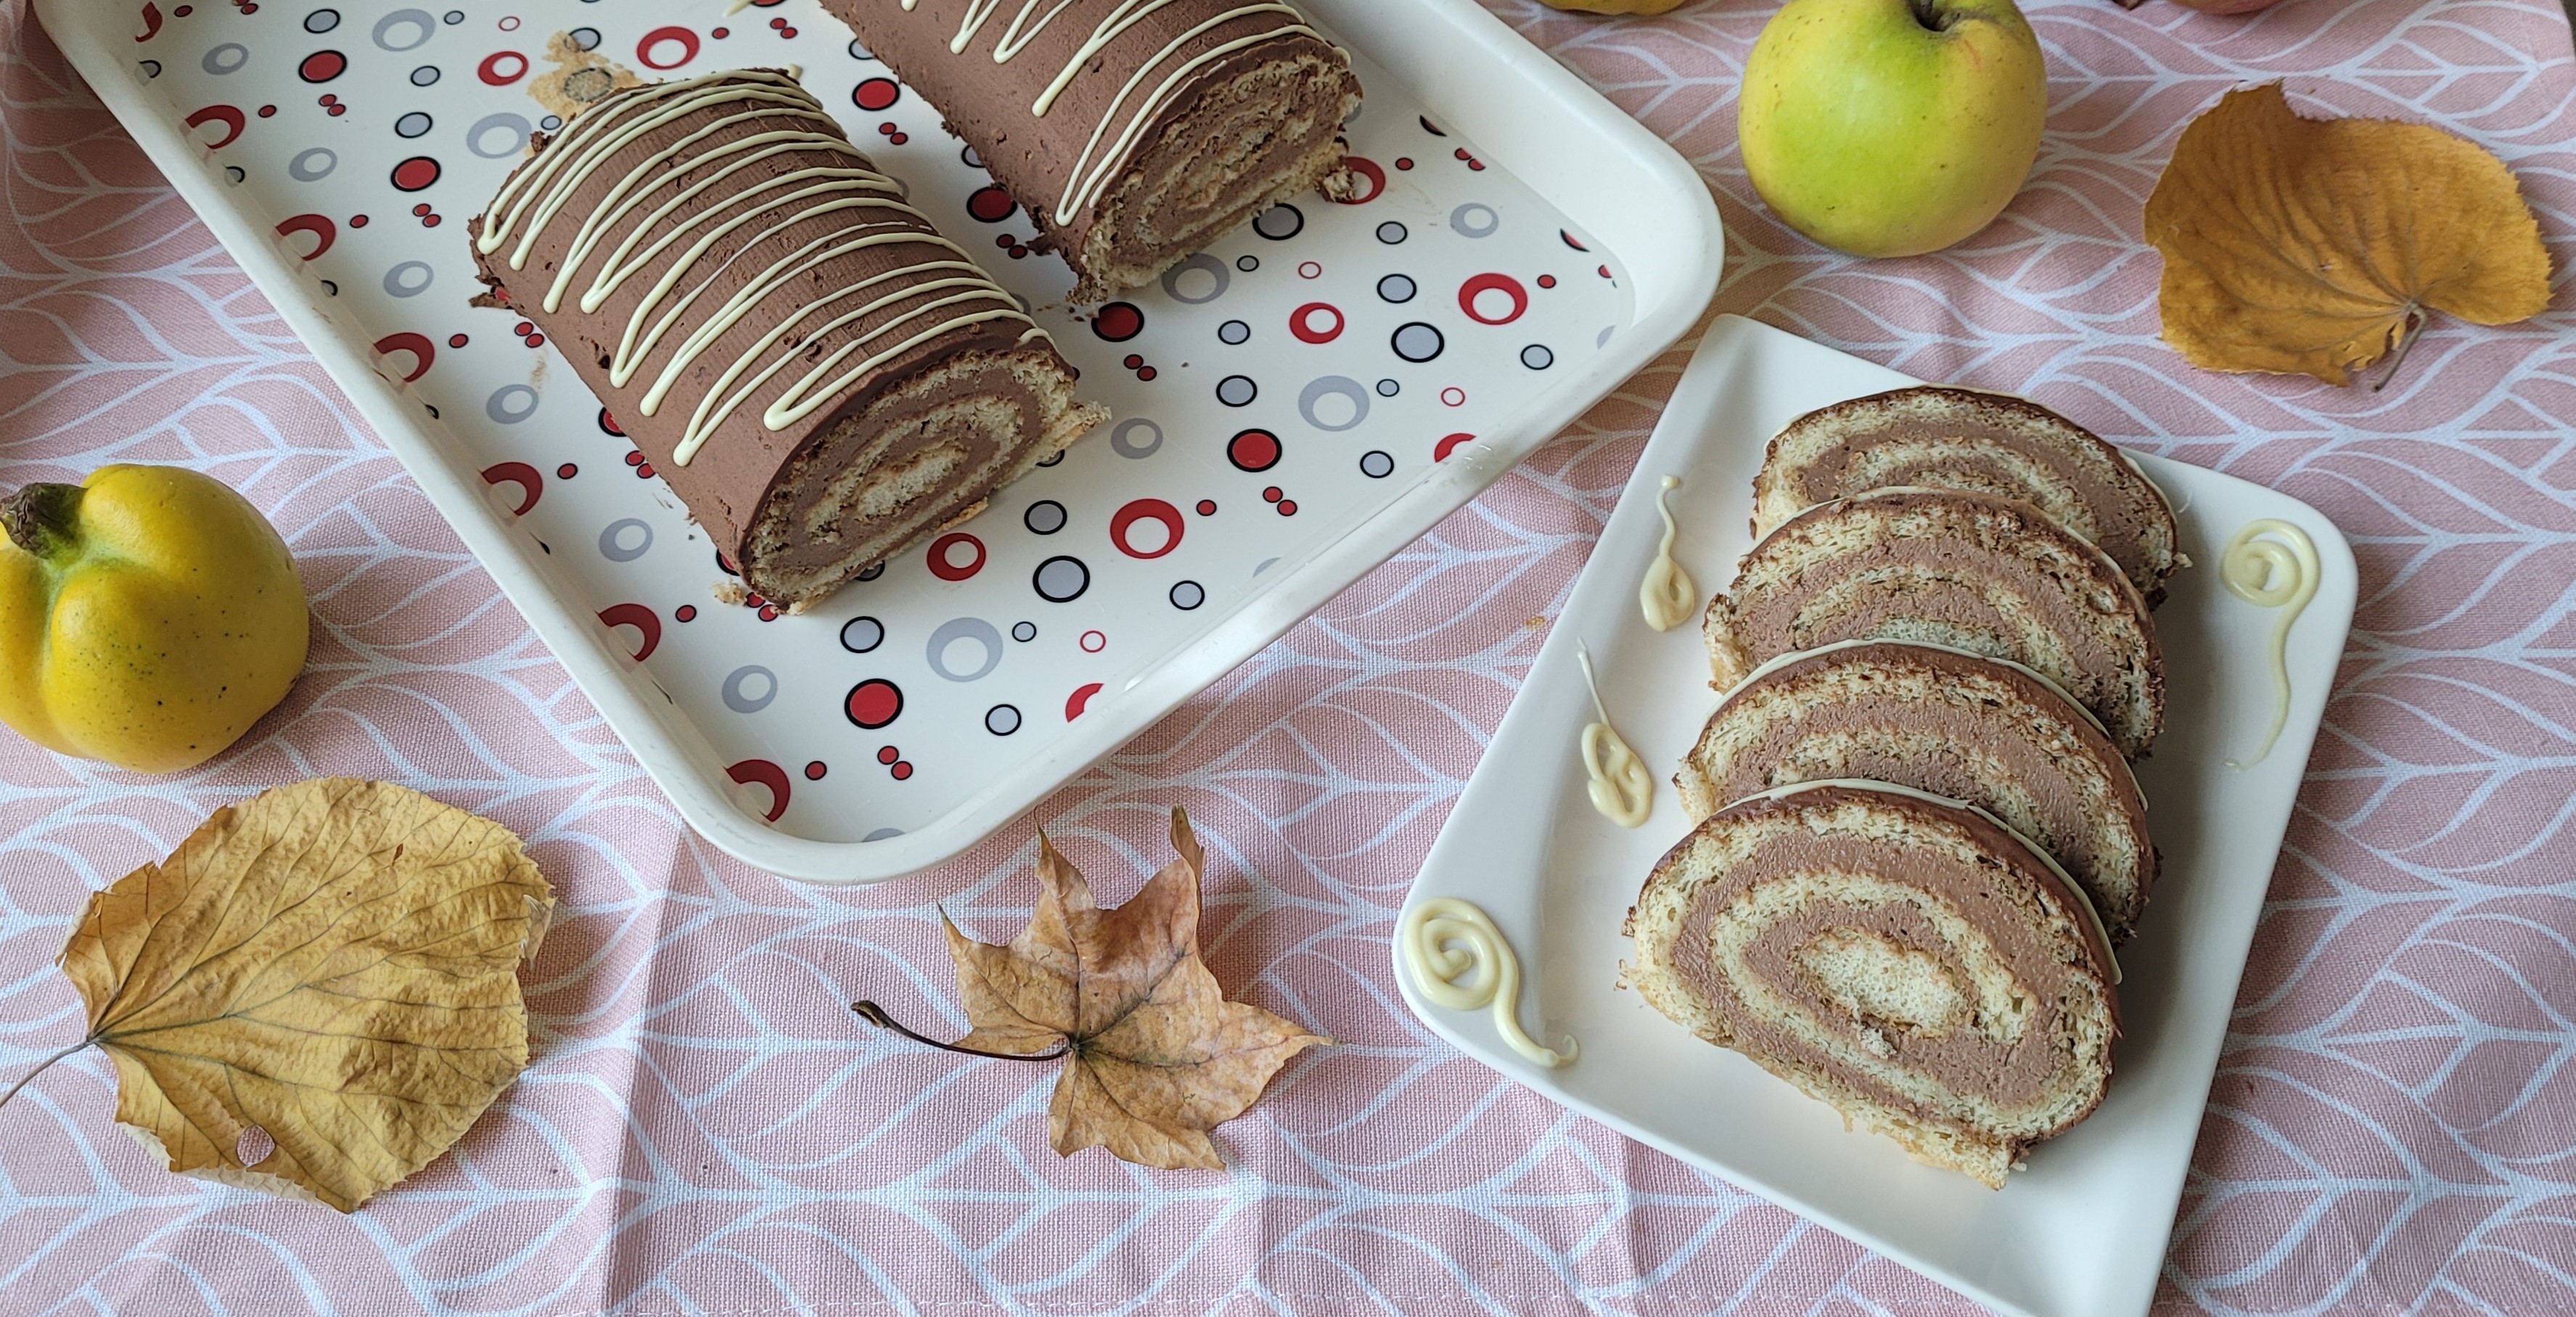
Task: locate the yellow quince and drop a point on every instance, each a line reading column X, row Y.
column 148, row 616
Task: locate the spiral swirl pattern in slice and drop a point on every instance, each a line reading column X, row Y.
column 1907, row 960
column 1991, row 443
column 1945, row 721
column 1970, row 571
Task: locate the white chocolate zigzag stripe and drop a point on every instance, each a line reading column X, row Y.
column 1096, row 167
column 875, row 216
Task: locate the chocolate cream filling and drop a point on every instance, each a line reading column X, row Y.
column 1986, row 443
column 1261, row 137
column 1947, row 592
column 883, row 478
column 1984, row 1057
column 1952, row 724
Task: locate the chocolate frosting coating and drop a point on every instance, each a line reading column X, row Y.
column 741, row 458
column 1042, row 159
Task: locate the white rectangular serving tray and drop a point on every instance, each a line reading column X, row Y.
column 1523, row 247
column 2082, row 1232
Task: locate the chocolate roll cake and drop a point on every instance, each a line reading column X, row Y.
column 1988, row 442
column 1979, row 730
column 1971, row 571
column 1906, row 959
column 1135, row 131
column 820, row 376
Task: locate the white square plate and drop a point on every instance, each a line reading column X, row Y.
column 2083, row 1230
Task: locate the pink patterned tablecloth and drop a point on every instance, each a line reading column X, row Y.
column 705, row 1130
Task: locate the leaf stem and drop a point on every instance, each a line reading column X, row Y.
column 876, row 1015
column 2414, row 329
column 41, row 1067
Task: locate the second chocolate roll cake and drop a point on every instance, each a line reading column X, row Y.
column 819, row 375
column 1136, row 131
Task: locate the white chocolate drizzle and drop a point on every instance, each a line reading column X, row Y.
column 1667, row 595
column 1096, row 167
column 2273, row 564
column 1619, row 784
column 1463, row 963
column 918, row 302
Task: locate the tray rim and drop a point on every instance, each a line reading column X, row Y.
column 1726, row 337
column 1668, row 305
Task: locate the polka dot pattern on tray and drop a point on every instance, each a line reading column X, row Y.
column 1270, row 393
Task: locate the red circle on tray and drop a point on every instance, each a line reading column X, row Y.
column 492, row 69
column 943, row 567
column 1119, row 322
column 322, row 66
column 874, row 703
column 1301, row 322
column 660, row 36
column 990, row 204
column 1510, row 287
column 1146, row 509
column 1253, row 450
column 416, row 173
column 876, row 94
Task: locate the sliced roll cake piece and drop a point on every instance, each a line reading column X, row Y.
column 819, row 375
column 1989, row 575
column 1992, row 443
column 1137, row 134
column 1993, row 734
column 1906, row 959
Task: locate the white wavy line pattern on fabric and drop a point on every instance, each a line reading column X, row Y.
column 704, row 1131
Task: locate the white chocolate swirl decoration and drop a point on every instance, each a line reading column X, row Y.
column 1668, row 595
column 1620, row 786
column 1097, row 166
column 1463, row 963
column 2272, row 564
column 668, row 243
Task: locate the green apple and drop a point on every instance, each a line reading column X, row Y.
column 1892, row 127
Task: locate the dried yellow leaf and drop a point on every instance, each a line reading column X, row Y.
column 334, row 962
column 2313, row 246
column 1154, row 1055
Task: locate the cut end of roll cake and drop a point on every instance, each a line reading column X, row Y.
column 918, row 459
column 817, row 373
column 1958, row 725
column 1268, row 134
column 1136, row 135
column 1907, row 960
column 1988, row 575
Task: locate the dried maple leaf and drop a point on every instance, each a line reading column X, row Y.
column 2314, row 246
column 1154, row 1055
column 333, row 963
